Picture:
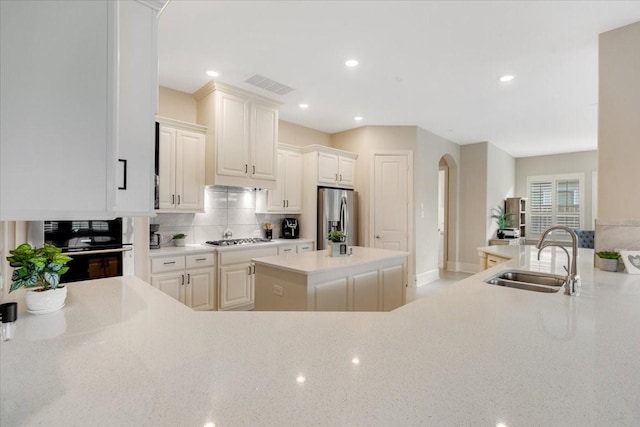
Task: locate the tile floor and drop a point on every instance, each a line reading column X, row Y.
column 446, row 278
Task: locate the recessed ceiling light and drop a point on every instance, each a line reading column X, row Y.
column 212, row 73
column 358, row 118
column 507, row 78
column 303, row 106
column 351, row 63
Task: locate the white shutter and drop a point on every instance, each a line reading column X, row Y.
column 555, row 200
column 540, row 206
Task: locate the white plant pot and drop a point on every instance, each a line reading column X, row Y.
column 179, row 242
column 46, row 301
column 608, row 264
column 338, row 249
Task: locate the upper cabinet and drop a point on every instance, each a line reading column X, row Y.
column 287, row 196
column 76, row 140
column 334, row 168
column 181, row 163
column 241, row 138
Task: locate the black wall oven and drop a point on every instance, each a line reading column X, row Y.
column 95, row 246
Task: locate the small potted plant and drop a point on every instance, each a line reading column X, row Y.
column 179, row 239
column 337, row 243
column 502, row 219
column 39, row 268
column 608, row 260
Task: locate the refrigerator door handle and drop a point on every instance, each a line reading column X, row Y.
column 344, row 214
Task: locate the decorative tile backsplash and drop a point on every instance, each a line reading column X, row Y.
column 617, row 236
column 225, row 207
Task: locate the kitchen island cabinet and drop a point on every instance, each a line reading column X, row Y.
column 369, row 280
column 467, row 354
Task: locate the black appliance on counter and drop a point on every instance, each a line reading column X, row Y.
column 95, row 246
column 290, row 228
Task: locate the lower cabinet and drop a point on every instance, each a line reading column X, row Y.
column 237, row 277
column 189, row 279
column 488, row 260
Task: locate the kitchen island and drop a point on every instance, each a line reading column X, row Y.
column 368, row 280
column 123, row 353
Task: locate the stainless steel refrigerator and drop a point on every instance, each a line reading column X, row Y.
column 337, row 210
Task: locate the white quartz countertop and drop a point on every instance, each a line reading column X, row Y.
column 467, row 354
column 319, row 261
column 201, row 248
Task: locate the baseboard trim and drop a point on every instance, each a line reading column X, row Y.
column 427, row 277
column 464, row 267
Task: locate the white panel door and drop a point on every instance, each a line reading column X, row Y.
column 232, row 135
column 190, row 148
column 264, row 142
column 167, row 168
column 171, row 284
column 235, row 285
column 391, row 199
column 200, row 288
column 346, row 171
column 293, row 183
column 327, row 168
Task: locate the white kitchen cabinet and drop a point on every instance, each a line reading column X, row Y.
column 287, row 249
column 236, row 276
column 91, row 153
column 242, row 136
column 305, row 247
column 287, row 196
column 181, row 166
column 189, row 279
column 330, row 167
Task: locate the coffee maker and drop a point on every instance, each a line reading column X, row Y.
column 154, row 237
column 290, row 228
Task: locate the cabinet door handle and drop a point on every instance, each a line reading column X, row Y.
column 124, row 174
column 201, row 259
column 178, row 199
column 254, row 169
column 305, row 247
column 287, row 203
column 254, row 269
column 246, row 168
column 169, row 262
column 173, row 199
column 249, row 270
column 284, row 204
column 377, row 236
column 182, row 283
column 188, row 278
column 340, row 177
column 336, row 177
column 286, row 250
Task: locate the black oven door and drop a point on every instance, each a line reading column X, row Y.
column 85, row 266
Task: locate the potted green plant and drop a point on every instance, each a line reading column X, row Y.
column 179, row 239
column 608, row 260
column 39, row 268
column 337, row 243
column 502, row 219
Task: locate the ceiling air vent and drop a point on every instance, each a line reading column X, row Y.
column 268, row 84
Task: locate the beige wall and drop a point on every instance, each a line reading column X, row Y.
column 585, row 162
column 501, row 175
column 176, row 105
column 473, row 203
column 430, row 148
column 293, row 134
column 619, row 124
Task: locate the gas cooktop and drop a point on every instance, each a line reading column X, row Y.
column 233, row 242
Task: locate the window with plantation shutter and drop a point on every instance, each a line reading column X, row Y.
column 555, row 200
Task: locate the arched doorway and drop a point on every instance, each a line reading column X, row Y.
column 446, row 213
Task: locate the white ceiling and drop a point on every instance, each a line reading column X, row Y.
column 431, row 64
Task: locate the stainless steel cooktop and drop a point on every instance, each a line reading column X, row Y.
column 233, row 242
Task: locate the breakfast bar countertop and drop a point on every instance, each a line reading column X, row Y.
column 123, row 353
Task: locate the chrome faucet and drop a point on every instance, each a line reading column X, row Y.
column 573, row 280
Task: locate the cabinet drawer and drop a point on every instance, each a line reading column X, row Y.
column 286, row 249
column 200, row 260
column 233, row 257
column 493, row 260
column 160, row 265
column 305, row 247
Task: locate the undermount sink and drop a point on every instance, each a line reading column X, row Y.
column 527, row 280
